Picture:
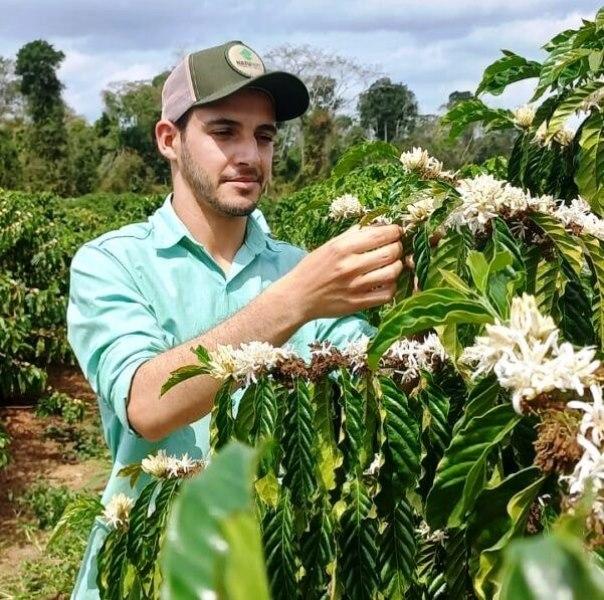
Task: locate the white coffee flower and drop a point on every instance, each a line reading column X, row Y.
column 417, row 212
column 345, row 207
column 482, row 199
column 376, row 463
column 590, row 468
column 117, row 511
column 180, row 467
column 156, row 464
column 416, row 356
column 595, row 100
column 526, row 356
column 564, row 136
column 592, row 423
column 523, row 116
column 419, row 161
column 255, row 358
column 578, row 214
column 543, row 204
column 222, row 362
column 356, row 352
column 437, row 536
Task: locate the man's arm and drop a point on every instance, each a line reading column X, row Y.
column 353, row 271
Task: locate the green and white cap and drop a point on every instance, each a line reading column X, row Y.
column 214, row 73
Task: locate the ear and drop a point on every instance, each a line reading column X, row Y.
column 167, row 137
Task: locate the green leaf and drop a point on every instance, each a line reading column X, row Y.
column 402, row 437
column 78, row 515
column 501, row 513
column 449, row 255
column 363, row 152
column 595, row 252
column 182, row 374
column 244, row 421
column 456, row 563
column 437, row 306
column 133, row 472
column 505, row 71
column 397, row 552
column 461, row 474
column 570, row 105
column 222, row 422
column 565, row 244
column 547, row 280
column 112, row 565
column 589, row 175
column 421, row 255
column 212, row 546
column 318, row 552
column 329, row 458
column 298, row 443
column 479, row 269
column 357, row 542
column 353, row 422
column 280, row 548
column 202, row 355
column 550, row 568
column 481, row 399
column 471, row 111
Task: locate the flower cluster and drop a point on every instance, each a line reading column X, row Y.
column 527, row 357
column 346, row 207
column 162, row 466
column 117, row 511
column 417, row 212
column 482, row 199
column 523, row 116
column 247, row 362
column 405, row 358
column 578, row 217
column 419, row 161
column 589, row 471
column 436, row 536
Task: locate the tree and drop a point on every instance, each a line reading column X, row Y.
column 389, row 109
column 10, row 167
column 131, row 110
column 455, row 97
column 46, row 161
column 11, row 101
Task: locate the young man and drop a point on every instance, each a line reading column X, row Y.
column 201, row 272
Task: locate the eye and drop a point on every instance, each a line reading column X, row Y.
column 223, row 132
column 266, row 138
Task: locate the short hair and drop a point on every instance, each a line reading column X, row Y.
column 182, row 121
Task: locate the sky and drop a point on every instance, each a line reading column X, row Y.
column 434, row 47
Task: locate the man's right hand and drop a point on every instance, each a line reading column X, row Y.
column 355, row 270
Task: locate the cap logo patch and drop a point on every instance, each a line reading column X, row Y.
column 244, row 60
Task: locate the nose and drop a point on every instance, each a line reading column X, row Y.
column 247, row 152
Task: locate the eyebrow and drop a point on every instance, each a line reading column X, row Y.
column 231, row 123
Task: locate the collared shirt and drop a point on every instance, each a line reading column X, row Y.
column 148, row 287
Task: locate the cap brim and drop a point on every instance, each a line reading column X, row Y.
column 289, row 92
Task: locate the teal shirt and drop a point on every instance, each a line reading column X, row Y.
column 148, row 287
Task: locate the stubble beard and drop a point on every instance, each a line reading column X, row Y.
column 204, row 189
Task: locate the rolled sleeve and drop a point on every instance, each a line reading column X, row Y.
column 111, row 327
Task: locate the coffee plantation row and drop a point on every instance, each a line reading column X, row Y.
column 459, row 453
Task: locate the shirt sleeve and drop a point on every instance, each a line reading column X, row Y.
column 343, row 330
column 111, row 327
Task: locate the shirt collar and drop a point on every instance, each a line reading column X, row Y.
column 169, row 230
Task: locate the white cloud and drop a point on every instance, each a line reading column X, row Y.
column 435, row 47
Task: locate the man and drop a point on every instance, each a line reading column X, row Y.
column 200, row 272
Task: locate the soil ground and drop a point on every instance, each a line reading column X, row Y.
column 36, row 457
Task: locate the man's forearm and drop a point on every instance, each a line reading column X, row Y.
column 270, row 317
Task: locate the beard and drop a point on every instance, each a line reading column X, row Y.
column 205, row 190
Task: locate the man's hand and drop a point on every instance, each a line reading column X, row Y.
column 356, row 270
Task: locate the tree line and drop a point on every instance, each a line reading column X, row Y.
column 46, row 146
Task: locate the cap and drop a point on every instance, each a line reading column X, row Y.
column 214, row 73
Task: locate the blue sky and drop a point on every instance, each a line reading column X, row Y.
column 435, row 47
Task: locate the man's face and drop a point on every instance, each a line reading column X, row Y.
column 226, row 152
